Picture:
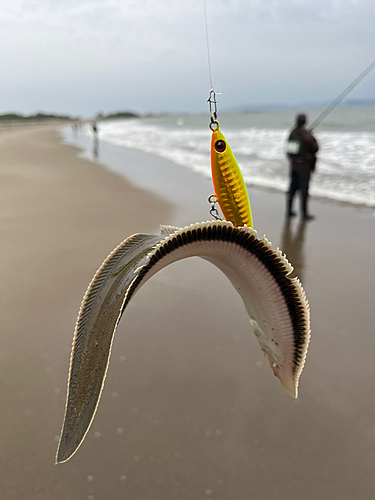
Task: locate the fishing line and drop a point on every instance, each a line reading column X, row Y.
column 230, row 188
column 208, row 45
column 343, row 94
column 212, row 96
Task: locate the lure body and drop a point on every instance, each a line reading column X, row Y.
column 229, row 186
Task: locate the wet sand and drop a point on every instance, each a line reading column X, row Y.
column 190, row 409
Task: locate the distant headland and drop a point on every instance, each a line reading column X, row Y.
column 119, row 115
column 37, row 117
column 48, row 117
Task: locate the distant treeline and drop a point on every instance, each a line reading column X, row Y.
column 37, row 117
column 118, row 115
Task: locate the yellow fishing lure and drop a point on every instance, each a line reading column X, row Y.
column 229, row 186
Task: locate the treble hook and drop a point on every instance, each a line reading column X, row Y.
column 213, row 210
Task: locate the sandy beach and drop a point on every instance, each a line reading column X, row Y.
column 190, row 409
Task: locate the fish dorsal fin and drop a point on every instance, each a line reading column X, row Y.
column 99, row 314
column 167, row 230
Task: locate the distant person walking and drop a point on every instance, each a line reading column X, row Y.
column 301, row 150
column 95, row 129
column 95, row 132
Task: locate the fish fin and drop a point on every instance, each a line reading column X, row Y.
column 167, row 230
column 96, row 324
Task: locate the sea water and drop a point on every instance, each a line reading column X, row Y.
column 345, row 168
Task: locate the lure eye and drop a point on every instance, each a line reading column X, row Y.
column 220, row 146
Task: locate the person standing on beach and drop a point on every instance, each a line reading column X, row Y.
column 301, row 150
column 94, row 129
column 95, row 132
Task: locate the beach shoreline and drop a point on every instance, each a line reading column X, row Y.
column 190, row 408
column 110, row 153
column 198, row 186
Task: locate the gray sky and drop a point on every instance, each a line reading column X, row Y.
column 85, row 56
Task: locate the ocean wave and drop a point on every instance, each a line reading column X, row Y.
column 345, row 168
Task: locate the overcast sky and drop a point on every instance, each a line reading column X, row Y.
column 85, row 56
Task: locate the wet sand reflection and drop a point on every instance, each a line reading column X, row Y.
column 292, row 244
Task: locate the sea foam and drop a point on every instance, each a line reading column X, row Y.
column 345, row 168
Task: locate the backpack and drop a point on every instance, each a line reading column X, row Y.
column 294, row 146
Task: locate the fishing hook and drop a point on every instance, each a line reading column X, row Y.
column 213, row 210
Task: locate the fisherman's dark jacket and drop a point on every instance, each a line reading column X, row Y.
column 306, row 157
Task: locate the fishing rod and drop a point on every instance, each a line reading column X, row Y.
column 343, row 94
